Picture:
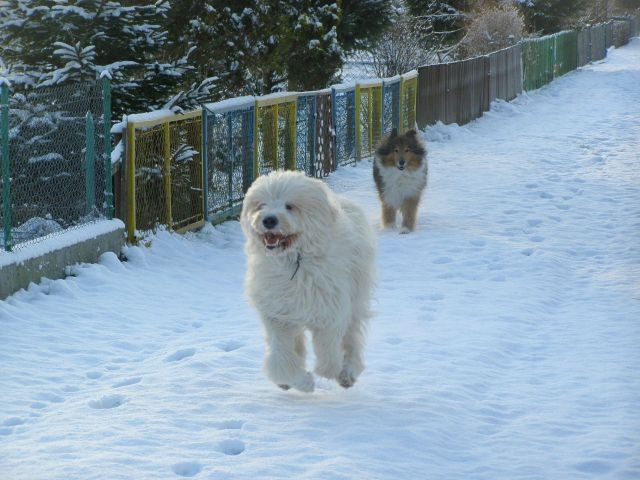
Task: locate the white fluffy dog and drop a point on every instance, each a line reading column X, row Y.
column 310, row 267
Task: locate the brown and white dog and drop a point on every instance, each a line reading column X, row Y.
column 400, row 173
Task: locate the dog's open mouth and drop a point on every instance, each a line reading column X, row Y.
column 274, row 240
column 401, row 167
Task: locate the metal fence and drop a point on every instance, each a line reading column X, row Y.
column 228, row 129
column 56, row 160
column 164, row 172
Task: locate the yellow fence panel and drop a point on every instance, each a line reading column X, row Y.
column 408, row 94
column 275, row 133
column 164, row 172
column 368, row 117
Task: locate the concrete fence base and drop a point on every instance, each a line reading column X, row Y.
column 50, row 257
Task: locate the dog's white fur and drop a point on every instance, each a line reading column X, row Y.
column 320, row 281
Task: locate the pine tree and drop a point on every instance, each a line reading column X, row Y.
column 259, row 46
column 550, row 16
column 50, row 42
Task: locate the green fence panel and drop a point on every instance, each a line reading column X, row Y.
column 566, row 57
column 538, row 60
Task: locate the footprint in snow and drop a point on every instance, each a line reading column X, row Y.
column 107, row 402
column 180, row 355
column 231, row 447
column 229, row 345
column 93, row 375
column 127, row 382
column 187, row 469
column 13, row 422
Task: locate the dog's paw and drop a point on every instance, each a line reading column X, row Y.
column 346, row 379
column 304, row 383
column 404, row 230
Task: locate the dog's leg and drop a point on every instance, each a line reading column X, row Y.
column 327, row 344
column 284, row 362
column 353, row 344
column 388, row 216
column 409, row 212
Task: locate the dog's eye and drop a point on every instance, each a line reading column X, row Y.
column 259, row 207
column 396, row 150
column 288, row 206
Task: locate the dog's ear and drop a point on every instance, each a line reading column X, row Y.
column 411, row 133
column 385, row 146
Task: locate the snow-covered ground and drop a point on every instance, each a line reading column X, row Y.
column 505, row 343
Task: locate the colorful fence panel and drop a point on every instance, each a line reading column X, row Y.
column 228, row 129
column 566, row 52
column 275, row 134
column 390, row 104
column 344, row 124
column 368, row 117
column 164, row 172
column 537, row 62
column 408, row 99
column 324, row 161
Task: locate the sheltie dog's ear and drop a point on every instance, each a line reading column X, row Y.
column 384, row 148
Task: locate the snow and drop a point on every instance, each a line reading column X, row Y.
column 60, row 240
column 231, row 104
column 504, row 345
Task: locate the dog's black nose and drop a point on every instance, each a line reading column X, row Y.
column 401, row 162
column 270, row 222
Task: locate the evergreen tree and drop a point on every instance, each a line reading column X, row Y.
column 50, row 42
column 550, row 16
column 259, row 46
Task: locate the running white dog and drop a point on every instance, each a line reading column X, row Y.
column 310, row 267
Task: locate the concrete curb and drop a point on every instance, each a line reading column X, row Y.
column 21, row 272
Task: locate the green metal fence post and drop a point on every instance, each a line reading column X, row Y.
column 90, row 164
column 106, row 112
column 6, row 177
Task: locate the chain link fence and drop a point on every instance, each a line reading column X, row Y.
column 164, row 172
column 229, row 134
column 56, row 168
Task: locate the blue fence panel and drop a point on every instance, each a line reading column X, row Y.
column 229, row 156
column 344, row 124
column 390, row 105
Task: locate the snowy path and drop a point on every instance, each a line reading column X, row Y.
column 505, row 345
